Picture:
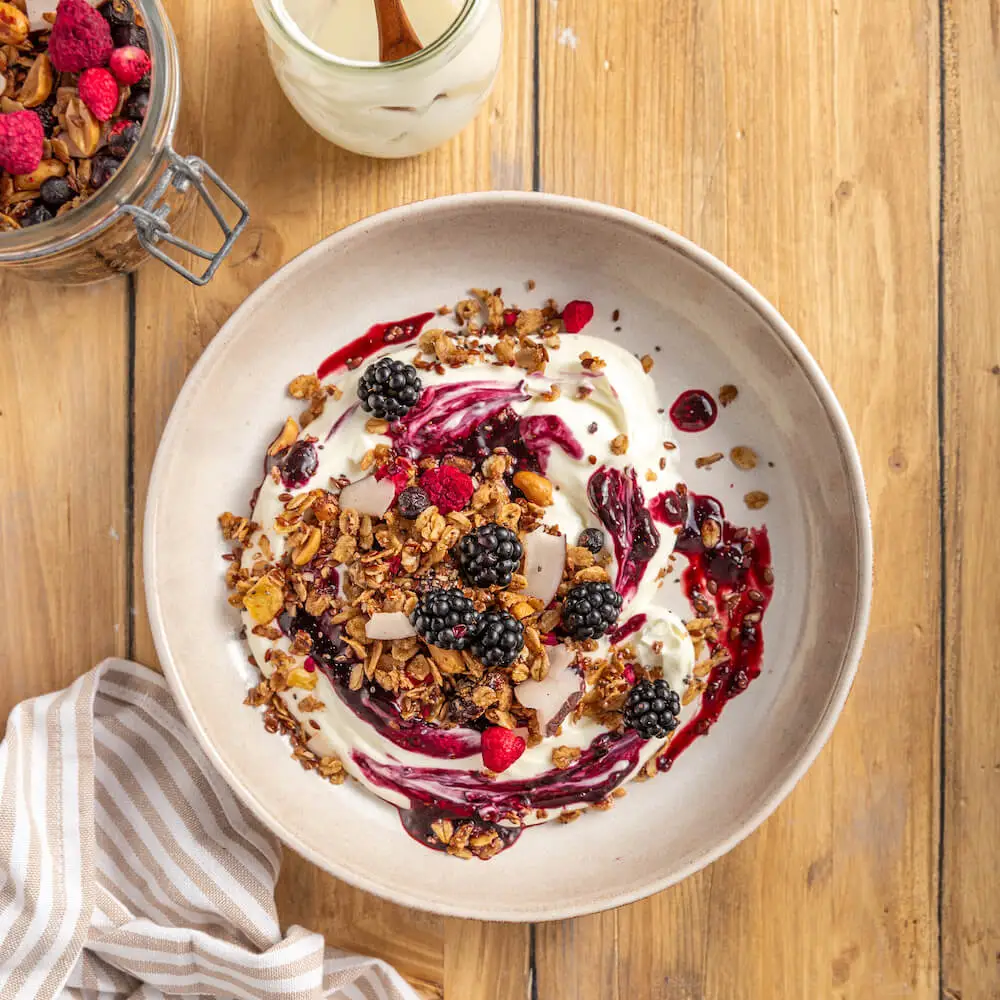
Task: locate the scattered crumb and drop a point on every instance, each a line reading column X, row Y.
column 647, row 363
column 708, row 460
column 756, row 499
column 728, row 394
column 743, row 457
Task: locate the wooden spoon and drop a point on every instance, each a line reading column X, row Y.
column 396, row 37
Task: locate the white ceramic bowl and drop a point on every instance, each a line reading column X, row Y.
column 713, row 328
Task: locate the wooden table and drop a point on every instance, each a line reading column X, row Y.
column 845, row 157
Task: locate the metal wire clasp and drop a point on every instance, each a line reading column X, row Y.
column 151, row 217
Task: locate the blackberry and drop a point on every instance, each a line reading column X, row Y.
column 498, row 640
column 651, row 709
column 37, row 214
column 118, row 13
column 389, row 389
column 590, row 609
column 412, row 502
column 47, row 117
column 489, row 556
column 591, row 539
column 445, row 618
column 55, row 192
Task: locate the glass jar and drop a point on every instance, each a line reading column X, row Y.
column 133, row 215
column 390, row 109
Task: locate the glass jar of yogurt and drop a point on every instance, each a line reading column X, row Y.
column 134, row 215
column 325, row 55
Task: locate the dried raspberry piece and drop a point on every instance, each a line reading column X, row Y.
column 398, row 471
column 449, row 488
column 500, row 748
column 99, row 91
column 130, row 64
column 80, row 37
column 576, row 315
column 22, row 140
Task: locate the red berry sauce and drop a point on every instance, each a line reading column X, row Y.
column 693, row 410
column 378, row 336
column 732, row 579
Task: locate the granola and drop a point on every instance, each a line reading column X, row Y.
column 452, row 602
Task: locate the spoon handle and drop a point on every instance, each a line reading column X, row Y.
column 396, row 37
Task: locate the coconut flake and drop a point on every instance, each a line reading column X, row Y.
column 389, row 625
column 368, row 496
column 544, row 559
column 557, row 695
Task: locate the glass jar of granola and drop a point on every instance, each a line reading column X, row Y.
column 109, row 226
column 325, row 57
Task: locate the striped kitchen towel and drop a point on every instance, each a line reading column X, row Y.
column 129, row 869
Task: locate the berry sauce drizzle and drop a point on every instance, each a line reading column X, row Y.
column 616, row 497
column 373, row 340
column 472, row 419
column 468, row 794
column 736, row 575
column 373, row 705
column 693, row 410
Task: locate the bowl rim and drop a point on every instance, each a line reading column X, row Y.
column 750, row 296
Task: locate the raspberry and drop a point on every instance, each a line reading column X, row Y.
column 449, row 488
column 576, row 315
column 500, row 748
column 22, row 140
column 99, row 91
column 130, row 64
column 80, row 37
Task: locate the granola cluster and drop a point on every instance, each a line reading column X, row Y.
column 64, row 133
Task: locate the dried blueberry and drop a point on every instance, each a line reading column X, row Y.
column 37, row 214
column 135, row 106
column 55, row 192
column 101, row 170
column 120, row 142
column 130, row 34
column 118, row 13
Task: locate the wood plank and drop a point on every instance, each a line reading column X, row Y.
column 798, row 142
column 300, row 189
column 971, row 875
column 63, row 518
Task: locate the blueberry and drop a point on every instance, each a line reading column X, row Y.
column 56, row 191
column 119, row 143
column 37, row 214
column 135, row 106
column 101, row 169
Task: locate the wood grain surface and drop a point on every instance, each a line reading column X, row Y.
column 845, row 158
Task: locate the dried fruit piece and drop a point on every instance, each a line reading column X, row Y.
column 448, row 488
column 576, row 315
column 501, row 748
column 22, row 142
column 99, row 91
column 83, row 131
column 43, row 172
column 264, row 600
column 80, row 37
column 130, row 64
column 14, row 25
column 299, row 677
column 37, row 84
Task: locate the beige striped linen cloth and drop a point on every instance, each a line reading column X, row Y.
column 128, row 869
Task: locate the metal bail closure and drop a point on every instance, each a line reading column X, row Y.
column 151, row 218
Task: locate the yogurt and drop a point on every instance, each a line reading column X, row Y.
column 604, row 458
column 324, row 54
